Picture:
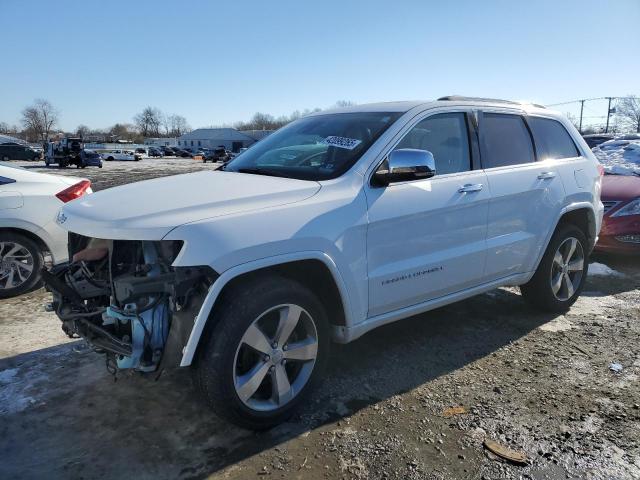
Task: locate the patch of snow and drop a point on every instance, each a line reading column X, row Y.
column 7, row 375
column 14, row 390
column 602, row 270
column 619, row 157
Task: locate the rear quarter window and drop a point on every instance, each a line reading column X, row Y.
column 552, row 139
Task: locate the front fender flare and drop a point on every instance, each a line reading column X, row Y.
column 225, row 277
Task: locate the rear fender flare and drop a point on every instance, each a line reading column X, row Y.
column 569, row 208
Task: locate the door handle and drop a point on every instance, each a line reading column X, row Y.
column 546, row 175
column 470, row 187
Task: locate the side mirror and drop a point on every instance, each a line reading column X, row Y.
column 404, row 165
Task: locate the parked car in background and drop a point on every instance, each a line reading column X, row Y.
column 398, row 210
column 123, row 155
column 629, row 136
column 182, row 153
column 141, row 151
column 168, row 151
column 89, row 158
column 218, row 154
column 16, row 151
column 29, row 203
column 621, row 223
column 595, row 139
column 155, row 152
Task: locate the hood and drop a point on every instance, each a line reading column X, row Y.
column 150, row 209
column 620, row 187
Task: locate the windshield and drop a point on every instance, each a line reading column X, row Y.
column 319, row 147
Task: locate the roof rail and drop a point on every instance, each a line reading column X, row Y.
column 460, row 98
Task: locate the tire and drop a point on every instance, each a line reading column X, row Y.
column 28, row 254
column 224, row 358
column 540, row 291
column 110, row 159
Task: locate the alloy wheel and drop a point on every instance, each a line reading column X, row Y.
column 567, row 269
column 275, row 357
column 16, row 265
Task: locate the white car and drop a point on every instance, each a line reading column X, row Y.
column 123, row 155
column 29, row 203
column 338, row 223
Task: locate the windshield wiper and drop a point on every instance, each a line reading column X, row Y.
column 262, row 171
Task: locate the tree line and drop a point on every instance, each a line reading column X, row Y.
column 40, row 121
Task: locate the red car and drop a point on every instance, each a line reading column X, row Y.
column 620, row 231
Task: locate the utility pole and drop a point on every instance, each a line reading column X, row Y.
column 606, row 129
column 581, row 109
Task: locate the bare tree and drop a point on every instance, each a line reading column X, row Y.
column 628, row 111
column 177, row 125
column 345, row 103
column 82, row 131
column 149, row 122
column 40, row 118
column 124, row 131
column 6, row 128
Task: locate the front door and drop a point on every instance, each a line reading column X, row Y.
column 427, row 238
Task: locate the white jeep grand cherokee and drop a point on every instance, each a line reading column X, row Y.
column 338, row 223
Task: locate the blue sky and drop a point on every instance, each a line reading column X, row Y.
column 219, row 62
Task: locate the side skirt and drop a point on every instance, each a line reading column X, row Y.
column 343, row 334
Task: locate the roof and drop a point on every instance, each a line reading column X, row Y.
column 405, row 106
column 8, row 138
column 221, row 134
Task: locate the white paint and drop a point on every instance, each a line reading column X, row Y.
column 36, row 213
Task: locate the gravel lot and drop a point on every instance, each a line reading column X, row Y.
column 538, row 384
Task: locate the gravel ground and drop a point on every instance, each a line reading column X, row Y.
column 538, row 384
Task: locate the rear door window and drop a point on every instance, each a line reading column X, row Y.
column 506, row 140
column 552, row 139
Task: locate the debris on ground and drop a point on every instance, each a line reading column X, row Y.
column 505, row 452
column 452, row 411
column 615, row 367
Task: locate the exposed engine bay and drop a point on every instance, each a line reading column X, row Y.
column 127, row 300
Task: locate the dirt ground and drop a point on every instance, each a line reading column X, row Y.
column 539, row 384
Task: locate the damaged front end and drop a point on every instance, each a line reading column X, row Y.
column 127, row 300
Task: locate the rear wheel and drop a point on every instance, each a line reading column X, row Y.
column 266, row 353
column 20, row 264
column 560, row 277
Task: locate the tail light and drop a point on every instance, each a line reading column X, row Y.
column 600, row 169
column 74, row 191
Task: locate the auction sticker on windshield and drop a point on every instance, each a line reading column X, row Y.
column 342, row 142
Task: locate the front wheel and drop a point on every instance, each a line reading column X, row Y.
column 20, row 264
column 560, row 277
column 266, row 353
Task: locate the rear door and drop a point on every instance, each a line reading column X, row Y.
column 526, row 194
column 426, row 238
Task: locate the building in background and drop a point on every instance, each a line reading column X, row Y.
column 230, row 138
column 161, row 142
